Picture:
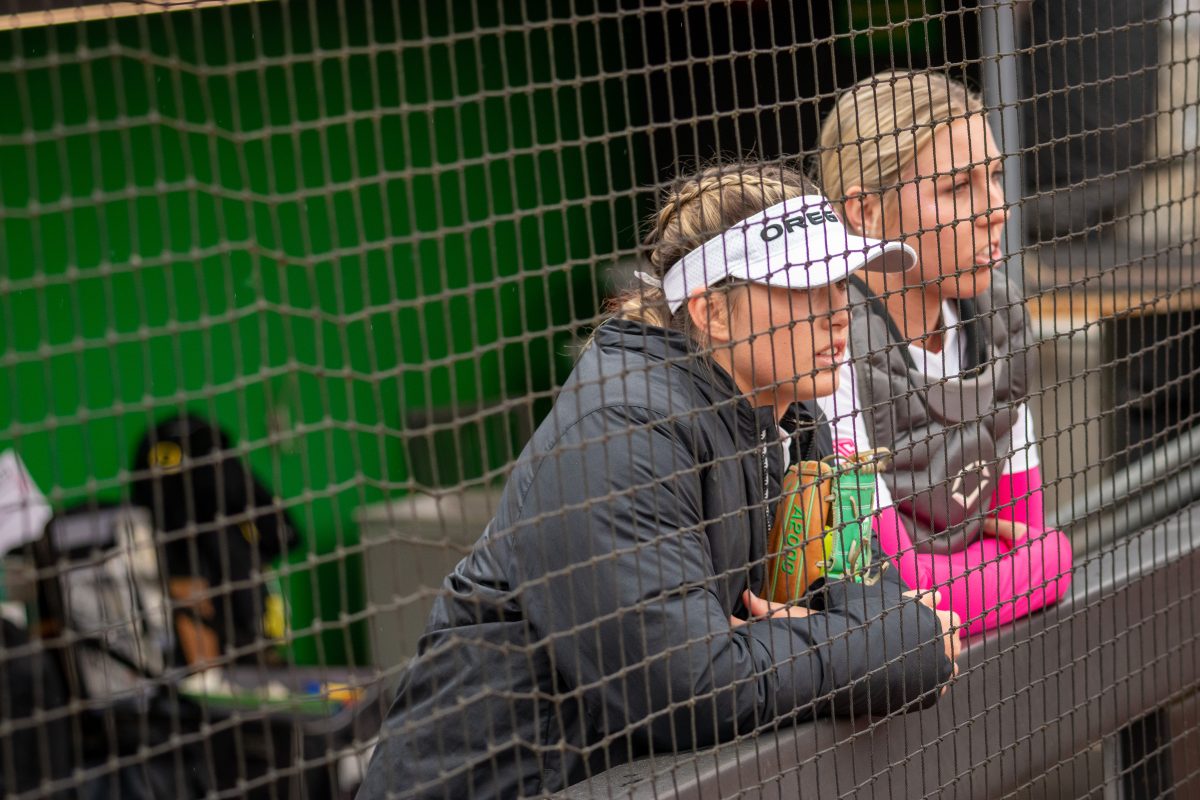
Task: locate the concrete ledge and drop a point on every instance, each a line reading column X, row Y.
column 1030, row 697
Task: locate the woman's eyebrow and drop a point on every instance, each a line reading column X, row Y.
column 993, row 164
column 955, row 171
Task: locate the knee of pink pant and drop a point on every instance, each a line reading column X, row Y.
column 1051, row 553
column 979, row 598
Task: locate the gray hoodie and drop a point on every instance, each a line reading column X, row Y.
column 949, row 437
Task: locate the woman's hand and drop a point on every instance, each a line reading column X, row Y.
column 950, row 624
column 948, row 621
column 1008, row 531
column 761, row 609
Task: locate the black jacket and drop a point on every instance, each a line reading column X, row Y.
column 590, row 623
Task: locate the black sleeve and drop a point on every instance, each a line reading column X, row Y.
column 616, row 578
column 890, row 654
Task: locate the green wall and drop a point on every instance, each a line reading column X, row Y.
column 337, row 229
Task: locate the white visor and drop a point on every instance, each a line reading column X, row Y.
column 797, row 244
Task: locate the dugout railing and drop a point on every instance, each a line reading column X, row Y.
column 1059, row 710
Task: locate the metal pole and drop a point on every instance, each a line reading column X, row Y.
column 1002, row 94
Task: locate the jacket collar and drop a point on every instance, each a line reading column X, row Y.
column 714, row 384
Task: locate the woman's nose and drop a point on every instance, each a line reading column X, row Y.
column 839, row 304
column 840, row 318
column 996, row 212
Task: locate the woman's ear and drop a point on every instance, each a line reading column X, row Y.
column 710, row 315
column 863, row 212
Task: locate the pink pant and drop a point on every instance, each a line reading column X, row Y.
column 990, row 583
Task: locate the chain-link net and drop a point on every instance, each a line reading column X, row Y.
column 493, row 399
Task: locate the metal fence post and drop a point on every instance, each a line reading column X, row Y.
column 1002, row 94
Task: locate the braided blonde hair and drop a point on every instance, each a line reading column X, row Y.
column 692, row 211
column 880, row 124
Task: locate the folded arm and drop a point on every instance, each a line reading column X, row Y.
column 619, row 581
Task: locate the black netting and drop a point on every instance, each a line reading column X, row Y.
column 403, row 396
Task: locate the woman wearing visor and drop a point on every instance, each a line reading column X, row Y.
column 613, row 606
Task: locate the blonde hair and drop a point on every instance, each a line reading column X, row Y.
column 693, row 210
column 880, row 124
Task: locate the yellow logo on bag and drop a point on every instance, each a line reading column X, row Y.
column 274, row 620
column 166, row 456
column 249, row 531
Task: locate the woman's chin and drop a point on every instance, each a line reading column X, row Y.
column 827, row 385
column 968, row 283
column 821, row 384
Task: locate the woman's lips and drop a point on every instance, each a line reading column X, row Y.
column 831, row 356
column 989, row 256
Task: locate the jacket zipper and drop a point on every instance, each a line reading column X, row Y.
column 766, row 479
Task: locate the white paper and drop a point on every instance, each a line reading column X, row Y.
column 24, row 511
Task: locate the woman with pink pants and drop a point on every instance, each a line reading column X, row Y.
column 940, row 355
